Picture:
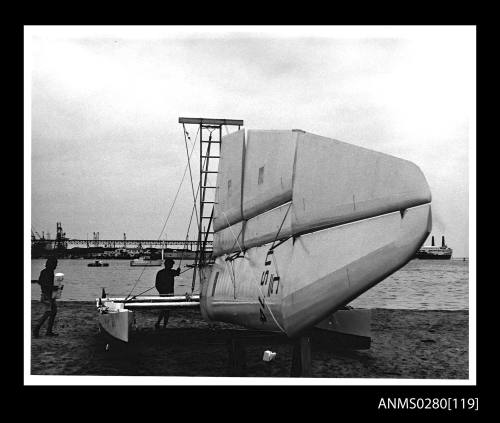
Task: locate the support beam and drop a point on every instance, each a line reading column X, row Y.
column 204, row 121
column 162, row 306
column 236, row 357
column 301, row 358
column 154, row 298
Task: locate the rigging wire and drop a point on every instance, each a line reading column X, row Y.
column 190, row 173
column 253, row 274
column 183, row 176
column 201, row 244
column 189, row 225
column 171, row 207
column 198, row 190
column 282, row 222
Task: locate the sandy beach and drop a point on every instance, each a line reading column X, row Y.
column 405, row 344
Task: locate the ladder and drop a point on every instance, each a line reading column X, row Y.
column 209, row 158
column 210, row 131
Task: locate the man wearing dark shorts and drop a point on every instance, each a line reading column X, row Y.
column 165, row 286
column 46, row 281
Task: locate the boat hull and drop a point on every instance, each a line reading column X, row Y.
column 117, row 323
column 308, row 277
column 432, row 256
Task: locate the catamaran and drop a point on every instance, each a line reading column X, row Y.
column 299, row 225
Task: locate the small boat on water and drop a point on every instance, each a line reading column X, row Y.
column 98, row 263
column 146, row 261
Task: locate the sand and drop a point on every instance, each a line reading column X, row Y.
column 405, row 344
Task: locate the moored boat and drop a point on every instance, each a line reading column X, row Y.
column 433, row 252
column 98, row 263
column 146, row 261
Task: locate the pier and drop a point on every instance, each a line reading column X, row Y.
column 61, row 242
column 113, row 248
column 123, row 248
column 133, row 243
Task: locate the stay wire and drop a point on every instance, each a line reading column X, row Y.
column 171, row 207
column 192, row 212
column 253, row 274
column 190, row 173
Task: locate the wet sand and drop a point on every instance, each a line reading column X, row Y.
column 411, row 344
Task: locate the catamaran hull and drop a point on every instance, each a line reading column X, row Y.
column 117, row 323
column 307, row 278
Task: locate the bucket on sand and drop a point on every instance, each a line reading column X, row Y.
column 268, row 355
column 58, row 283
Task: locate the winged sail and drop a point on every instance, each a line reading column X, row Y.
column 336, row 182
column 227, row 209
column 347, row 218
column 268, row 174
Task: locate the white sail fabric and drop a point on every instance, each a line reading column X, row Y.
column 265, row 227
column 229, row 240
column 328, row 182
column 336, row 182
column 227, row 208
column 316, row 272
column 268, row 175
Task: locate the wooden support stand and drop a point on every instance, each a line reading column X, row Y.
column 301, row 358
column 237, row 357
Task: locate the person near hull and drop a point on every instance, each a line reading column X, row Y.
column 46, row 281
column 165, row 286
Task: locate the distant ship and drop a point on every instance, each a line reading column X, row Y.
column 435, row 253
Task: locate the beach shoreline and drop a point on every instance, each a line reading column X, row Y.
column 409, row 344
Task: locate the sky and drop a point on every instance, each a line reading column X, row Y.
column 107, row 153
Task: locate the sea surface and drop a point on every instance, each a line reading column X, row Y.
column 420, row 285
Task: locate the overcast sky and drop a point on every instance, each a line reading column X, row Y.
column 108, row 154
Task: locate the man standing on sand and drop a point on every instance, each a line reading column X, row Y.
column 46, row 281
column 165, row 285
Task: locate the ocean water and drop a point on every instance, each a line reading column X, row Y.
column 420, row 285
column 83, row 283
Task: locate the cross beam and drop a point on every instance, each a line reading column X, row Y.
column 204, row 121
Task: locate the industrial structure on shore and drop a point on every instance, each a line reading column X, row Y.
column 43, row 246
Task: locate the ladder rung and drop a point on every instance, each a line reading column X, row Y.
column 208, row 187
column 210, row 157
column 209, row 171
column 209, row 141
column 208, row 202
